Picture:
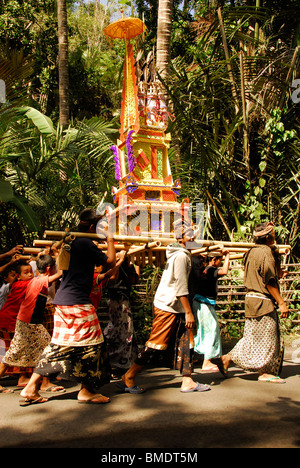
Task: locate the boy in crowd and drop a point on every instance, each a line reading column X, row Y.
column 31, row 337
column 9, row 276
column 9, row 313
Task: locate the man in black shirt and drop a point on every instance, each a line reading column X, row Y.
column 76, row 350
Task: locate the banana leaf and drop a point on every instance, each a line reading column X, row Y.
column 41, row 121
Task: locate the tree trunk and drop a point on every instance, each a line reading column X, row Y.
column 163, row 45
column 63, row 62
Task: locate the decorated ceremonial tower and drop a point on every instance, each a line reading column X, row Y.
column 146, row 195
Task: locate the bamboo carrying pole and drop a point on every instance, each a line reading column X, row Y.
column 49, row 243
column 163, row 240
column 31, row 250
column 117, row 238
column 204, row 250
column 42, row 243
column 136, row 250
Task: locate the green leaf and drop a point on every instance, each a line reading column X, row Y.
column 262, row 165
column 26, row 213
column 280, row 127
column 6, row 191
column 42, row 122
column 262, row 182
column 257, row 191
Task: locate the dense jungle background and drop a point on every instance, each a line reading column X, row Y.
column 234, row 93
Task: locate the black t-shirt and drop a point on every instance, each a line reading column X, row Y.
column 77, row 281
column 122, row 285
column 209, row 284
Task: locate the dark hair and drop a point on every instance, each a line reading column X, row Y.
column 7, row 270
column 210, row 257
column 183, row 227
column 44, row 261
column 261, row 239
column 88, row 218
column 19, row 264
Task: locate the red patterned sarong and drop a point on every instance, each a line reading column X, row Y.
column 76, row 325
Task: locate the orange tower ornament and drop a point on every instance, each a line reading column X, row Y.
column 146, row 195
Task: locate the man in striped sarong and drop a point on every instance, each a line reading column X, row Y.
column 261, row 348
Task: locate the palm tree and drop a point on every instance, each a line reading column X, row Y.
column 163, row 44
column 223, row 102
column 63, row 62
column 49, row 173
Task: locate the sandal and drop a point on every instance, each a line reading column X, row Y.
column 29, row 401
column 209, row 370
column 134, row 389
column 6, row 390
column 198, row 388
column 54, row 389
column 219, row 363
column 275, row 379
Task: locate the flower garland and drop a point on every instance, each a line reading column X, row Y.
column 130, row 155
column 115, row 151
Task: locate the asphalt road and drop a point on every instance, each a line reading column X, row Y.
column 237, row 412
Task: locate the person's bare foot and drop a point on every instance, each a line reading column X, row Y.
column 23, row 380
column 5, row 390
column 209, row 366
column 50, row 387
column 271, row 379
column 129, row 382
column 189, row 385
column 31, row 394
column 85, row 396
column 226, row 360
column 129, row 377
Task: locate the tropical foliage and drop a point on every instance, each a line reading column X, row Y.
column 236, row 129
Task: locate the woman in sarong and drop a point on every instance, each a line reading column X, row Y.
column 261, row 348
column 119, row 334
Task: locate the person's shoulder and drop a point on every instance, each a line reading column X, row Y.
column 84, row 243
column 20, row 286
column 182, row 255
column 39, row 280
column 4, row 288
column 21, row 283
column 262, row 251
column 211, row 271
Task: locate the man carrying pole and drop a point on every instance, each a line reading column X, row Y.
column 261, row 348
column 173, row 317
